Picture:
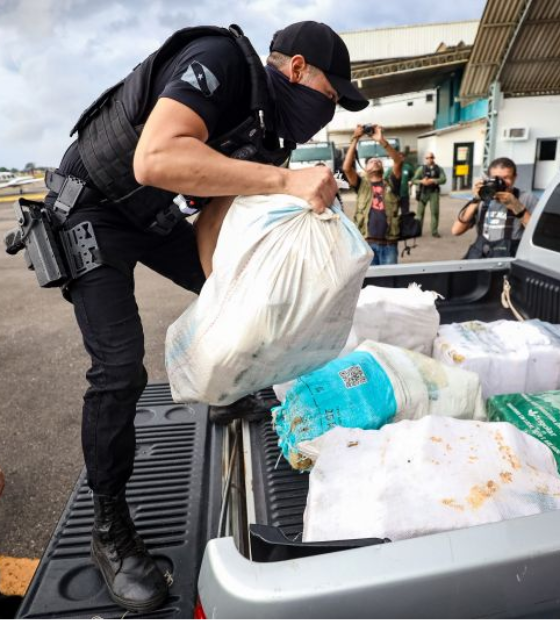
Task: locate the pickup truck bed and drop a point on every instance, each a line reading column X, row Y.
column 169, row 493
column 185, row 467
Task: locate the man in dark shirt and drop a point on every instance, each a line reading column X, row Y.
column 197, row 93
column 378, row 199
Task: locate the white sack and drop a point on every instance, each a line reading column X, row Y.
column 423, row 386
column 403, row 317
column 420, row 477
column 372, row 386
column 508, row 356
column 279, row 302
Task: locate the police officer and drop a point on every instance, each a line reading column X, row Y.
column 198, row 118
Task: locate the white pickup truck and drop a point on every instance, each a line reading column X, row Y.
column 223, row 512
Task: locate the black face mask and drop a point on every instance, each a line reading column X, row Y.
column 300, row 111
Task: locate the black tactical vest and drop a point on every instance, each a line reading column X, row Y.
column 108, row 134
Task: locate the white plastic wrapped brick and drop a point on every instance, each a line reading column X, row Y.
column 375, row 385
column 403, row 317
column 508, row 356
column 421, row 477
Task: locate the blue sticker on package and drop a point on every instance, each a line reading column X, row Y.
column 352, row 391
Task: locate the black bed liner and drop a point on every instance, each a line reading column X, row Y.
column 169, row 495
column 280, row 492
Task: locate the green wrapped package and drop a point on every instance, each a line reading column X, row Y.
column 535, row 414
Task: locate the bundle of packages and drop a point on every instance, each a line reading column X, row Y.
column 403, row 317
column 374, row 385
column 509, row 356
column 279, row 302
column 425, row 476
column 536, row 414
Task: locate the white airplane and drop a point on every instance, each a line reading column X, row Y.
column 9, row 179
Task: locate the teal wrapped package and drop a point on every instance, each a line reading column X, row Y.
column 353, row 392
column 535, row 414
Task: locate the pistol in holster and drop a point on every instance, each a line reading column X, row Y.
column 57, row 256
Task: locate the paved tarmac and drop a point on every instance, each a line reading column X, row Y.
column 42, row 370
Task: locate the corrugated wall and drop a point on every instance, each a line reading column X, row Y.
column 533, row 63
column 405, row 41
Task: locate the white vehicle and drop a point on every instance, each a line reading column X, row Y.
column 371, row 148
column 313, row 154
column 223, row 512
column 9, row 179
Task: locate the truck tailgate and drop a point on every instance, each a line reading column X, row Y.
column 169, row 493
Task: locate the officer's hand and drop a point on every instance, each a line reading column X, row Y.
column 315, row 185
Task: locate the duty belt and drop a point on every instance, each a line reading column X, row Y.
column 71, row 191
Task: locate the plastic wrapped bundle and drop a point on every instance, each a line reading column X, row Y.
column 374, row 385
column 508, row 356
column 536, row 414
column 403, row 317
column 425, row 476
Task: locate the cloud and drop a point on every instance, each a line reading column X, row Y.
column 58, row 55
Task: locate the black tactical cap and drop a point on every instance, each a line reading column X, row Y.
column 323, row 48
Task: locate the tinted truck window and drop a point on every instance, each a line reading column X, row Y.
column 547, row 232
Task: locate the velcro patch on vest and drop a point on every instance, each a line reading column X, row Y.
column 201, row 78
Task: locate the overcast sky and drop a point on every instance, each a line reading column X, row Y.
column 56, row 56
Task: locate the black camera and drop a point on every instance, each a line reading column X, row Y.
column 490, row 187
column 35, row 234
column 369, row 129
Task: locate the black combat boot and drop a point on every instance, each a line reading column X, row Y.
column 252, row 408
column 131, row 574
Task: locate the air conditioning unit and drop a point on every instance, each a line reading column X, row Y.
column 516, row 133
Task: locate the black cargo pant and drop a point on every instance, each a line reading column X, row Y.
column 108, row 317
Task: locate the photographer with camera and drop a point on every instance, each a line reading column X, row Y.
column 428, row 180
column 499, row 211
column 378, row 200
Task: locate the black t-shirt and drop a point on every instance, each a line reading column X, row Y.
column 377, row 220
column 377, row 224
column 210, row 76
